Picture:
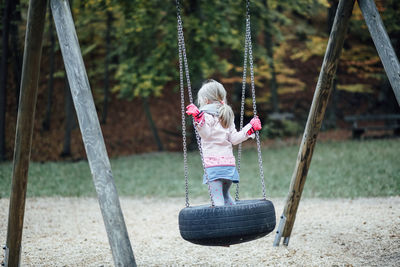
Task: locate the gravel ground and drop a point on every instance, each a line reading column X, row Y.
column 339, row 232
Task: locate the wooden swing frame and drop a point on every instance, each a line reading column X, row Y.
column 91, row 132
column 323, row 92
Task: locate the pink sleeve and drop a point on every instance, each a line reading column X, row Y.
column 236, row 137
column 204, row 128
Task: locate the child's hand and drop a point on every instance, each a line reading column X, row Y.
column 255, row 125
column 192, row 110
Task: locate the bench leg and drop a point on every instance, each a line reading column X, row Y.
column 357, row 133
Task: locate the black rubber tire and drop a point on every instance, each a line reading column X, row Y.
column 227, row 225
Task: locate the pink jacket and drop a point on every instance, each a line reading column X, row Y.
column 217, row 141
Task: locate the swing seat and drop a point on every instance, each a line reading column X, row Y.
column 227, row 225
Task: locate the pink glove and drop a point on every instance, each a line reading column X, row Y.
column 192, row 110
column 255, row 125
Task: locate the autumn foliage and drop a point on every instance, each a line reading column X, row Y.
column 140, row 52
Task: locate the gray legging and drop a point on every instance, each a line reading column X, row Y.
column 220, row 192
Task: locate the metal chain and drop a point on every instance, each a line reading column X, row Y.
column 183, row 125
column 248, row 52
column 243, row 95
column 182, row 53
column 253, row 92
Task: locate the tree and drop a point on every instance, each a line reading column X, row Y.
column 15, row 46
column 6, row 21
column 50, row 85
column 153, row 127
column 390, row 15
column 69, row 120
column 106, row 66
column 330, row 122
column 148, row 50
column 361, row 59
column 270, row 54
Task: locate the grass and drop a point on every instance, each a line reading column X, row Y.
column 347, row 169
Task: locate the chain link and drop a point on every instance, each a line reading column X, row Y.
column 182, row 54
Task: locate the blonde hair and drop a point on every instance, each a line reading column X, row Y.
column 213, row 92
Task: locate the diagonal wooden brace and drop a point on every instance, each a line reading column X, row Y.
column 382, row 43
column 92, row 136
column 315, row 117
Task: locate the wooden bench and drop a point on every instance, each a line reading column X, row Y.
column 281, row 116
column 381, row 122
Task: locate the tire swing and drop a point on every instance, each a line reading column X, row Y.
column 223, row 225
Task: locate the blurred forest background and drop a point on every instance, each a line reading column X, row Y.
column 130, row 53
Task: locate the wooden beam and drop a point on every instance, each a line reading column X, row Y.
column 382, row 43
column 24, row 129
column 315, row 117
column 92, row 136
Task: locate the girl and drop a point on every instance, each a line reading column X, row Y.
column 215, row 125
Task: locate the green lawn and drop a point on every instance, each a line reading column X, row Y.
column 339, row 169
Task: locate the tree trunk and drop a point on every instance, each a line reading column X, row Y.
column 270, row 53
column 106, row 66
column 69, row 120
column 50, row 85
column 17, row 60
column 3, row 75
column 197, row 51
column 153, row 127
column 330, row 121
column 386, row 97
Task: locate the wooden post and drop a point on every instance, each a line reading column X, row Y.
column 315, row 117
column 92, row 137
column 382, row 43
column 23, row 135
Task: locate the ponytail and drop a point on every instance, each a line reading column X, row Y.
column 213, row 92
column 225, row 115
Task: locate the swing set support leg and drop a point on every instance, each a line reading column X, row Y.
column 91, row 134
column 24, row 129
column 315, row 117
